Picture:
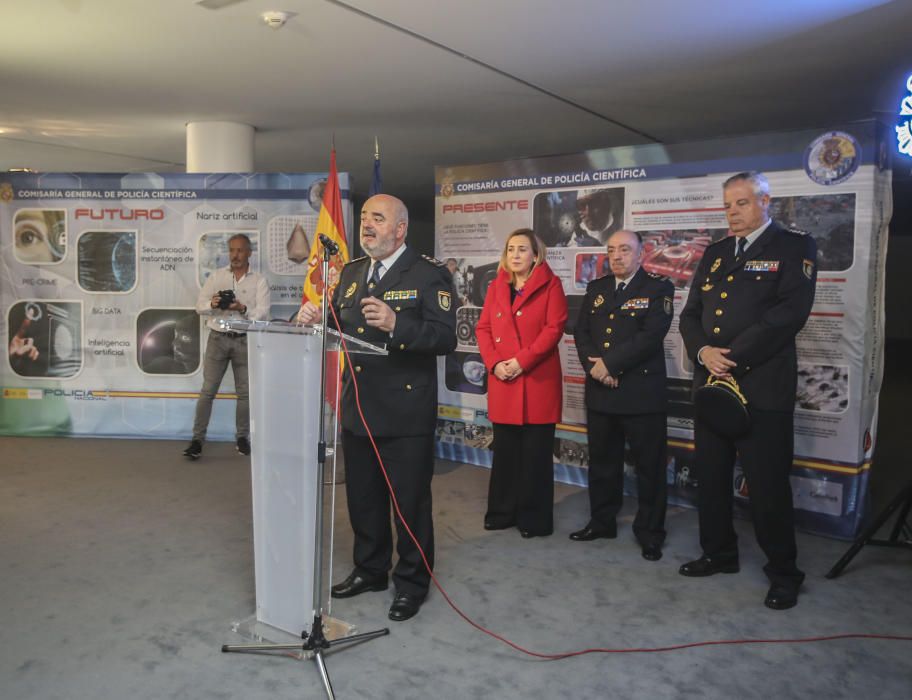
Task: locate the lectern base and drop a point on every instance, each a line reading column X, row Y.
column 256, row 632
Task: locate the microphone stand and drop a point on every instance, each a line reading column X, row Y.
column 315, row 641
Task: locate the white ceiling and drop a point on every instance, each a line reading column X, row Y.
column 109, row 85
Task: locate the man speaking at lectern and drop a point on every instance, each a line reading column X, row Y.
column 395, row 297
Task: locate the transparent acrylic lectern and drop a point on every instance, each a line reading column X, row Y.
column 284, row 364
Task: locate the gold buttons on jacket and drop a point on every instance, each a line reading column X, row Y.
column 519, row 313
column 499, row 314
column 398, row 308
column 718, row 312
column 717, row 330
column 496, row 340
column 408, row 387
column 730, row 278
column 357, row 368
column 608, row 330
column 611, row 316
column 360, row 329
column 607, row 345
column 724, row 295
column 402, row 346
column 759, row 277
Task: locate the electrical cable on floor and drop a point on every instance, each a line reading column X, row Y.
column 580, row 652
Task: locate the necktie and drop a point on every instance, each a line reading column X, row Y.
column 742, row 244
column 375, row 275
column 620, row 287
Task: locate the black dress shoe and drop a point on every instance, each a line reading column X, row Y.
column 405, row 606
column 495, row 524
column 356, row 584
column 781, row 597
column 652, row 552
column 526, row 534
column 706, row 566
column 590, row 532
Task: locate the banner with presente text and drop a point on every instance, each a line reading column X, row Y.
column 832, row 184
column 100, row 276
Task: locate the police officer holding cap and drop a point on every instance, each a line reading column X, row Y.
column 750, row 296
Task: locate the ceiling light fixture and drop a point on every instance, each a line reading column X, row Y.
column 276, row 19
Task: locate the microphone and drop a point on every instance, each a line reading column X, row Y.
column 329, row 244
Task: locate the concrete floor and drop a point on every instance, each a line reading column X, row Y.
column 124, row 565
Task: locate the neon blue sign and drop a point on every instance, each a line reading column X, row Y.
column 904, row 130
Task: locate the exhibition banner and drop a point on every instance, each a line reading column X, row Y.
column 833, row 184
column 100, row 277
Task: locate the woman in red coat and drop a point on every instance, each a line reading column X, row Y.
column 520, row 326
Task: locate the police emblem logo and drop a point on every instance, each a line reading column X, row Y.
column 807, row 266
column 443, row 299
column 598, row 301
column 716, row 263
column 832, row 158
column 351, row 290
column 668, row 305
column 706, row 287
column 6, row 192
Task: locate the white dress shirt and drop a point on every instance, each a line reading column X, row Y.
column 251, row 290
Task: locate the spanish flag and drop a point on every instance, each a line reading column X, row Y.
column 331, row 224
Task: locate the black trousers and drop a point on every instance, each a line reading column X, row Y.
column 521, row 490
column 647, row 435
column 765, row 455
column 409, row 461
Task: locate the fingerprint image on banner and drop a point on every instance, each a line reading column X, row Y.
column 45, row 338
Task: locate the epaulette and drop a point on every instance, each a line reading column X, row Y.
column 795, row 231
column 433, row 261
column 657, row 276
column 719, row 242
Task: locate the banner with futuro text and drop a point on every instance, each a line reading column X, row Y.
column 99, row 276
column 833, row 184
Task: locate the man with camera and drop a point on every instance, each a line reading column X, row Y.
column 230, row 292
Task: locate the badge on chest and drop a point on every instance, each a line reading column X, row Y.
column 400, row 294
column 761, row 266
column 636, row 304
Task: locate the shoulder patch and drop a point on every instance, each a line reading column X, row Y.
column 433, row 261
column 656, row 276
column 797, row 231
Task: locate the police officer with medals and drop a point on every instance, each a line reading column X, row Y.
column 750, row 296
column 619, row 338
column 399, row 298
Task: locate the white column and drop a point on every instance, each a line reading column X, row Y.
column 219, row 147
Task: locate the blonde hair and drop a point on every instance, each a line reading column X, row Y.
column 538, row 249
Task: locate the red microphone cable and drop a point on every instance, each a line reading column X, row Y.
column 580, row 652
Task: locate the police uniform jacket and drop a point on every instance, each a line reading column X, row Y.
column 627, row 331
column 398, row 392
column 755, row 307
column 528, row 329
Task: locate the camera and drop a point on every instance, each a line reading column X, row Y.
column 226, row 298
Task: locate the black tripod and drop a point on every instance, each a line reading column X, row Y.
column 903, row 503
column 315, row 641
